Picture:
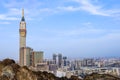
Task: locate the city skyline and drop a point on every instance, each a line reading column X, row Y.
column 75, row 28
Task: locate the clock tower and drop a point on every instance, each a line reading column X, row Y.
column 22, row 44
column 22, row 31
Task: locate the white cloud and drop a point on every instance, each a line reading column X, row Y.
column 5, row 17
column 15, row 14
column 113, row 12
column 69, row 8
column 36, row 9
column 4, row 22
column 14, row 8
column 11, row 14
column 14, row 11
column 88, row 6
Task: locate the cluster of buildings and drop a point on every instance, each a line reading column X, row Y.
column 27, row 56
column 82, row 67
column 60, row 65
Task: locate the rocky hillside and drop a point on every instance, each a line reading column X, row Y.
column 95, row 76
column 9, row 70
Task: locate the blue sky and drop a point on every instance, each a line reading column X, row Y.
column 75, row 28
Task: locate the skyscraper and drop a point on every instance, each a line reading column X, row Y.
column 55, row 58
column 22, row 32
column 64, row 61
column 27, row 57
column 59, row 60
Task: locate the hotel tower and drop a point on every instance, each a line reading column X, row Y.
column 27, row 56
column 22, row 32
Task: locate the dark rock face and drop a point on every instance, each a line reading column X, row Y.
column 4, row 77
column 9, row 70
column 95, row 76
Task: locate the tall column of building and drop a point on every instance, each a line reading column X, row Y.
column 55, row 58
column 64, row 61
column 22, row 32
column 59, row 60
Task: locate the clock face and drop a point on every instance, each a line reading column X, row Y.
column 22, row 25
column 22, row 34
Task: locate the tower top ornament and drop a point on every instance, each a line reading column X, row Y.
column 23, row 19
column 22, row 12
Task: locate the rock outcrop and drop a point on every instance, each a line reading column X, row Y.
column 95, row 76
column 9, row 70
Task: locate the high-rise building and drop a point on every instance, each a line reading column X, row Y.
column 64, row 61
column 88, row 62
column 37, row 57
column 25, row 53
column 27, row 57
column 55, row 58
column 22, row 32
column 59, row 60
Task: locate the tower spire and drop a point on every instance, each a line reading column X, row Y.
column 22, row 12
column 23, row 19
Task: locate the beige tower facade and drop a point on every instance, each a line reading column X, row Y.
column 25, row 53
column 22, row 32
